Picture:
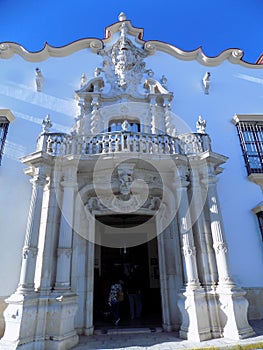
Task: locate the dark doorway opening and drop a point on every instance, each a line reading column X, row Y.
column 112, row 262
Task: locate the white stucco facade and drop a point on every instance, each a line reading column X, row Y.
column 234, row 88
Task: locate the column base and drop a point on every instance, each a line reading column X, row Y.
column 60, row 328
column 40, row 321
column 20, row 320
column 89, row 331
column 233, row 313
column 170, row 327
column 213, row 310
column 195, row 321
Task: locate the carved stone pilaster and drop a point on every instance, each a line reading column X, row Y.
column 29, row 251
column 27, row 275
column 185, row 228
column 64, row 250
column 217, row 229
column 232, row 303
column 192, row 299
column 44, row 279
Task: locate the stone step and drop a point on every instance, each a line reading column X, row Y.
column 124, row 330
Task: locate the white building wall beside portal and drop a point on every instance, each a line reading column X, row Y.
column 233, row 89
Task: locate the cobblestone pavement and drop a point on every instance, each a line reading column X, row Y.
column 155, row 339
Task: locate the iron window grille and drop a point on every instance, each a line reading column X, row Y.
column 251, row 140
column 260, row 222
column 4, row 124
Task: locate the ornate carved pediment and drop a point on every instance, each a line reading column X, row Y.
column 123, row 63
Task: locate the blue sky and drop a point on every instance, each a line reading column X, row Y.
column 187, row 24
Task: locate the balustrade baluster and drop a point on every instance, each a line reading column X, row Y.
column 62, row 144
column 130, row 142
column 90, row 146
column 111, row 141
column 104, row 144
column 56, row 146
column 147, row 144
column 49, row 145
column 166, row 148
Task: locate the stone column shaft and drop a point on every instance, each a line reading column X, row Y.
column 30, row 249
column 50, row 235
column 218, row 234
column 192, row 303
column 186, row 233
column 171, row 279
column 232, row 304
column 205, row 253
column 64, row 251
column 90, row 276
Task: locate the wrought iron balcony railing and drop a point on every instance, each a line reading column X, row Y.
column 60, row 144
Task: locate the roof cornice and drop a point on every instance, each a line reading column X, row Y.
column 234, row 55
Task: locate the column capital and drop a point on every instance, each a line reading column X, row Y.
column 220, row 247
column 209, row 180
column 189, row 250
column 64, row 251
column 69, row 177
column 39, row 179
column 181, row 177
column 28, row 250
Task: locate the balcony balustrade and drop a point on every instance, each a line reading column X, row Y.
column 60, row 144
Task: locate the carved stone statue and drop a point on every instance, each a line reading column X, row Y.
column 39, row 79
column 83, row 80
column 164, row 81
column 125, row 126
column 206, row 82
column 201, row 125
column 46, row 124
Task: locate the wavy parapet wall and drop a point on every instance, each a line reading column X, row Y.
column 234, row 55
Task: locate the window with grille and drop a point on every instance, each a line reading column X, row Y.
column 260, row 222
column 4, row 124
column 251, row 140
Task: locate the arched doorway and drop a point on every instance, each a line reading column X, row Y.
column 121, row 261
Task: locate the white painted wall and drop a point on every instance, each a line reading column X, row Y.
column 234, row 89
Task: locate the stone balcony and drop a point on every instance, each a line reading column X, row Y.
column 61, row 144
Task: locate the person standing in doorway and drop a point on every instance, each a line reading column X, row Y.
column 115, row 297
column 134, row 295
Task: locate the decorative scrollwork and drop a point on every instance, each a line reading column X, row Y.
column 96, row 45
column 237, row 53
column 4, row 47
